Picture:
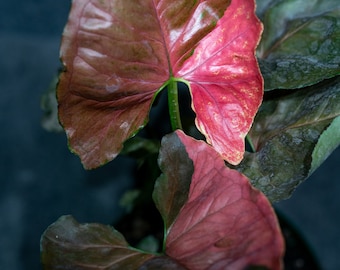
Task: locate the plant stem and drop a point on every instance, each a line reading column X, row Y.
column 250, row 143
column 175, row 117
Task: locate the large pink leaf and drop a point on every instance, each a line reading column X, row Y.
column 225, row 81
column 118, row 54
column 225, row 223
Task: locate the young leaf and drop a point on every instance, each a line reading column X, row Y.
column 300, row 44
column 289, row 135
column 66, row 244
column 119, row 54
column 224, row 223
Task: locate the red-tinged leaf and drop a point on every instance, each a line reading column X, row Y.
column 225, row 223
column 114, row 60
column 118, row 54
column 66, row 244
column 225, row 81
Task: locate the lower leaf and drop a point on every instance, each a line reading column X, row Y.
column 66, row 244
column 224, row 223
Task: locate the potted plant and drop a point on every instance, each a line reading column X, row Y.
column 273, row 90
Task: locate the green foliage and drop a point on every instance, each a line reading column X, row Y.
column 300, row 45
column 296, row 128
column 289, row 135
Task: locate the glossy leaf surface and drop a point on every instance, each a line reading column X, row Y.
column 225, row 82
column 118, row 54
column 300, row 44
column 292, row 135
column 224, row 223
column 66, row 244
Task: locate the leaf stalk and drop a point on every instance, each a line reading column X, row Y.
column 175, row 117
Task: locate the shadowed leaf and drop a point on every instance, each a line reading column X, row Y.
column 289, row 135
column 67, row 244
column 300, row 44
column 172, row 187
column 225, row 223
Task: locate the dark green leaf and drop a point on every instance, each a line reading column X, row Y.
column 288, row 133
column 263, row 5
column 66, row 244
column 172, row 187
column 300, row 44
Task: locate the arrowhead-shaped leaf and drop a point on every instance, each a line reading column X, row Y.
column 292, row 136
column 300, row 44
column 66, row 244
column 224, row 223
column 118, row 54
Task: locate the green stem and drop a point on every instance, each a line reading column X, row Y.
column 175, row 117
column 250, row 143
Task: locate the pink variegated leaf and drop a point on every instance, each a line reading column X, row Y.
column 225, row 223
column 225, row 82
column 118, row 55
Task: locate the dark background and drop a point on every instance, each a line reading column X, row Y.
column 41, row 180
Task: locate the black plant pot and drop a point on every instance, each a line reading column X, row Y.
column 298, row 254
